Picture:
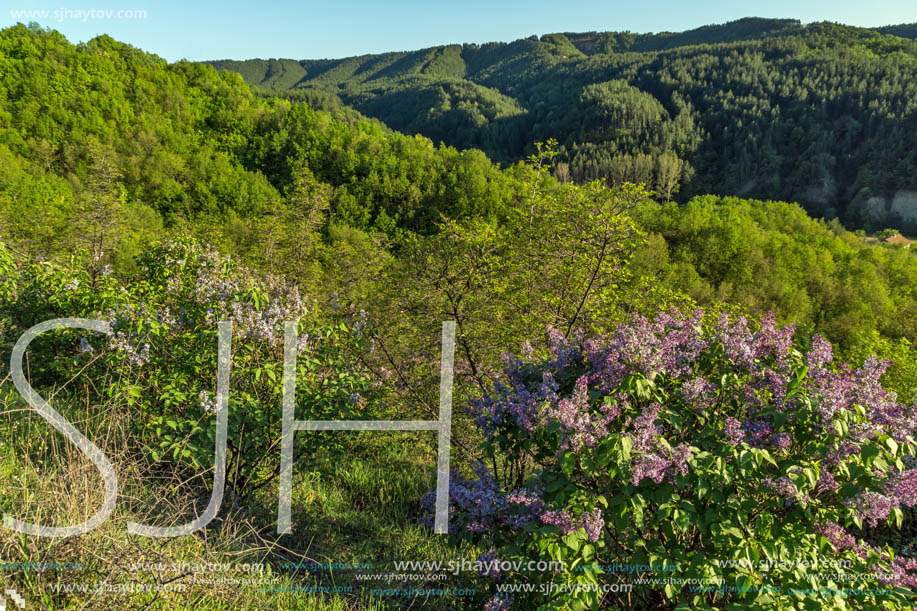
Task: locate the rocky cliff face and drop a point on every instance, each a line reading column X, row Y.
column 890, row 212
column 904, row 205
column 876, row 208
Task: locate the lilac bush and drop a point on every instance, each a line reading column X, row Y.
column 160, row 361
column 712, row 446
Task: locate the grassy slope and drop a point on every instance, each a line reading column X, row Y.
column 357, row 509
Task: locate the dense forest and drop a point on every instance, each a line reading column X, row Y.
column 106, row 148
column 582, row 201
column 822, row 114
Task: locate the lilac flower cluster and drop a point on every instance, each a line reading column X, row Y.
column 836, row 535
column 224, row 291
column 782, row 441
column 872, row 507
column 583, row 427
column 903, row 488
column 733, row 430
column 668, row 345
column 189, row 289
column 502, row 601
column 591, row 521
column 900, row 490
column 127, row 345
column 661, row 463
column 200, row 288
column 698, row 392
column 211, row 405
column 650, row 466
column 844, row 449
column 478, row 505
column 514, row 406
column 783, row 486
column 826, row 482
column 844, row 388
column 490, row 566
column 903, row 570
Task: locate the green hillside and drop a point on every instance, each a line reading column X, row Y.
column 823, row 114
column 183, row 144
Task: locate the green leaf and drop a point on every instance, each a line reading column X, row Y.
column 626, row 444
column 573, row 541
column 892, row 445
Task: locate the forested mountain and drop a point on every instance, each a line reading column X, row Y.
column 823, row 114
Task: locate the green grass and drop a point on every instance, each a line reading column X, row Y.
column 361, row 506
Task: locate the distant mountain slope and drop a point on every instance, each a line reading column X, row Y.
column 905, row 30
column 744, row 29
column 824, row 114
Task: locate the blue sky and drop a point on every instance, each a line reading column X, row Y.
column 339, row 28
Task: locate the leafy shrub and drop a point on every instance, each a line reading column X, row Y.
column 708, row 449
column 161, row 357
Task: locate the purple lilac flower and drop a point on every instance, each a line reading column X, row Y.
column 757, row 431
column 871, row 507
column 680, row 456
column 502, row 601
column 783, row 486
column 821, row 353
column 645, row 429
column 773, row 341
column 562, row 519
column 582, row 426
column 516, row 405
column 490, row 565
column 782, row 441
column 836, row 535
column 736, row 339
column 698, row 392
column 478, row 505
column 826, row 482
column 845, row 448
column 649, row 465
column 592, row 521
column 903, row 488
column 733, row 430
column 902, row 572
